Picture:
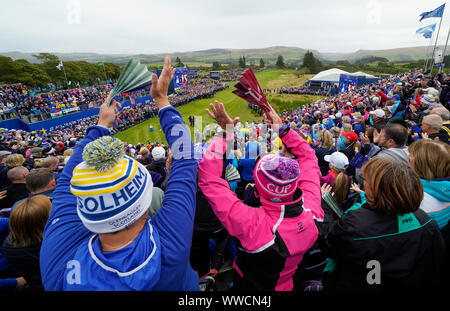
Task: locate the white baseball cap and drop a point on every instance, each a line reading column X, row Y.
column 338, row 159
column 158, row 153
column 379, row 113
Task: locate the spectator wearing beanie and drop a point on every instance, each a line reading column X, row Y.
column 272, row 228
column 351, row 144
column 99, row 228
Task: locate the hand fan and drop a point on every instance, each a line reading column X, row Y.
column 232, row 174
column 249, row 89
column 133, row 77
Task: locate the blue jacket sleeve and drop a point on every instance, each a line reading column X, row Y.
column 3, row 224
column 8, row 284
column 175, row 219
column 64, row 231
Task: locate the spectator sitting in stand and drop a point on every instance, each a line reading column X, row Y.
column 17, row 190
column 39, row 181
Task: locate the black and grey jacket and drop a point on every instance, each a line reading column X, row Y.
column 409, row 249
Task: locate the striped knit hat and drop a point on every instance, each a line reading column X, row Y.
column 112, row 190
column 276, row 178
column 427, row 99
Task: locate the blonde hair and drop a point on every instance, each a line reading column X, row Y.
column 27, row 221
column 68, row 152
column 431, row 159
column 49, row 161
column 14, row 160
column 336, row 131
column 346, row 120
column 38, row 162
column 341, row 186
column 347, row 127
column 326, row 139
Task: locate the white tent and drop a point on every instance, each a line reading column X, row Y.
column 330, row 75
column 360, row 73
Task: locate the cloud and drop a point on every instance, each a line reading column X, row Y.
column 152, row 26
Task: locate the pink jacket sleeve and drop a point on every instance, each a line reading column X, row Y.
column 249, row 225
column 309, row 180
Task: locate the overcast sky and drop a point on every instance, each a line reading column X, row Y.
column 157, row 26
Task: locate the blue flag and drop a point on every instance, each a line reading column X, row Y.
column 426, row 31
column 438, row 12
column 428, row 34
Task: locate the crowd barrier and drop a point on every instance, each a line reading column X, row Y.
column 50, row 124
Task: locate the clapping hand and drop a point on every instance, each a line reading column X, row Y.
column 221, row 116
column 355, row 188
column 364, row 138
column 160, row 86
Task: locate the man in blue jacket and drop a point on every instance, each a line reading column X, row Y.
column 99, row 235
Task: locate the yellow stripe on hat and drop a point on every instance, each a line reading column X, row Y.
column 108, row 189
column 89, row 170
column 95, row 176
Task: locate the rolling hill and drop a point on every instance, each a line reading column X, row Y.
column 269, row 55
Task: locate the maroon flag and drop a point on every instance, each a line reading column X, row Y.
column 248, row 88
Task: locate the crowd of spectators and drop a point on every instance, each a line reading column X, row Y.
column 302, row 90
column 197, row 89
column 19, row 101
column 302, row 200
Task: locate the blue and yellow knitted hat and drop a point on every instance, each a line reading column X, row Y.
column 112, row 189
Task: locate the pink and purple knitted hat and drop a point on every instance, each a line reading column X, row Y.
column 276, row 177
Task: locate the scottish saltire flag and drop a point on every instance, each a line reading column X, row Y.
column 428, row 34
column 426, row 31
column 59, row 65
column 438, row 12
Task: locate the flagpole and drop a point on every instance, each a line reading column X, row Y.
column 437, row 38
column 104, row 71
column 445, row 46
column 428, row 52
column 425, row 63
column 65, row 77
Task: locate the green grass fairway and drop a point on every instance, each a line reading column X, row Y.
column 235, row 106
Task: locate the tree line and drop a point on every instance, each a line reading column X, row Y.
column 46, row 72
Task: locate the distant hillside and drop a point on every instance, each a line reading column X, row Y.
column 269, row 55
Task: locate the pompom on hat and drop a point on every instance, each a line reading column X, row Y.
column 276, row 177
column 112, row 189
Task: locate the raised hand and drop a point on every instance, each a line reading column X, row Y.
column 354, row 187
column 326, row 188
column 273, row 118
column 219, row 114
column 364, row 138
column 160, row 86
column 108, row 113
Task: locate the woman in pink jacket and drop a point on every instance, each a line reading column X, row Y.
column 273, row 239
